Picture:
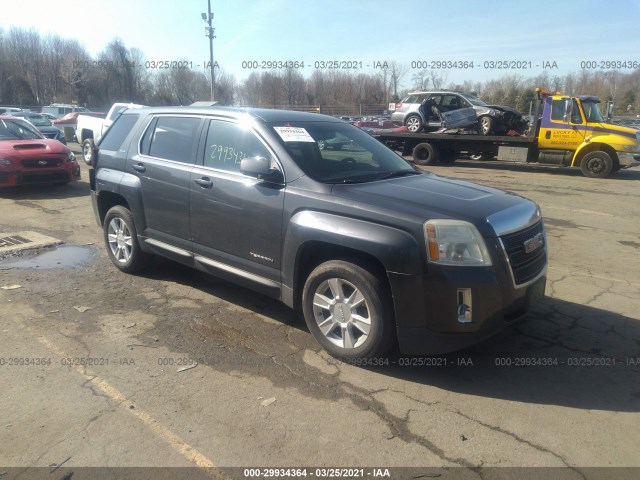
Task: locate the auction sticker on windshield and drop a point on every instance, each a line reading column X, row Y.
column 294, row 134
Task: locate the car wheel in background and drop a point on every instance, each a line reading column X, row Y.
column 88, row 147
column 413, row 123
column 596, row 164
column 425, row 154
column 486, row 125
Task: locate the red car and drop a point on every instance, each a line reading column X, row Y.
column 26, row 157
column 72, row 118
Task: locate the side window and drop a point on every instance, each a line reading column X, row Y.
column 450, row 102
column 174, row 138
column 558, row 109
column 114, row 137
column 228, row 143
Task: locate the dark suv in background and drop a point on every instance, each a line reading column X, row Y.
column 370, row 250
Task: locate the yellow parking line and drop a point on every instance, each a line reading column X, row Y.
column 182, row 447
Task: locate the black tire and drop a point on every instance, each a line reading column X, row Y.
column 413, row 123
column 88, row 147
column 329, row 292
column 486, row 125
column 425, row 154
column 121, row 239
column 597, row 164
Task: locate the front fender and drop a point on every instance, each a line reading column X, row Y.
column 397, row 250
column 608, row 143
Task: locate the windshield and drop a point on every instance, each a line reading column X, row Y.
column 592, row 112
column 39, row 120
column 17, row 130
column 474, row 100
column 335, row 152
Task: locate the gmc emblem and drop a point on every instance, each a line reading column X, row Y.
column 534, row 243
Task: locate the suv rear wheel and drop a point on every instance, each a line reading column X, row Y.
column 413, row 123
column 348, row 310
column 121, row 239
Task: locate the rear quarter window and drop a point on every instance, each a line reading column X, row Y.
column 117, row 132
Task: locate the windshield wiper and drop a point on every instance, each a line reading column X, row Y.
column 380, row 176
column 397, row 173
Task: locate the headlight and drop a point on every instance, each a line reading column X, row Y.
column 71, row 158
column 631, row 148
column 455, row 242
column 5, row 162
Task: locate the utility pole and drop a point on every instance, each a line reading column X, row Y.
column 208, row 18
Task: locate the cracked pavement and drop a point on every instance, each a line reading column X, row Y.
column 559, row 389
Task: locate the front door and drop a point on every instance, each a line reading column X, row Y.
column 562, row 126
column 236, row 220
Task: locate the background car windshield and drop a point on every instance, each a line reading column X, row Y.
column 17, row 130
column 335, row 152
column 474, row 100
column 39, row 120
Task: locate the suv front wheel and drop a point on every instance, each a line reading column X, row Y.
column 348, row 310
column 121, row 239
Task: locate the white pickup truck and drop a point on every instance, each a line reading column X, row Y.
column 90, row 129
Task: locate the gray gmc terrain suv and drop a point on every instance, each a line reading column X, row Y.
column 371, row 251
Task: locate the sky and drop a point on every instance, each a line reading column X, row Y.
column 558, row 35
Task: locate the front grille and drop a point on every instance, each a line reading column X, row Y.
column 41, row 162
column 525, row 266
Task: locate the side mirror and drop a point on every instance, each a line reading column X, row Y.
column 568, row 110
column 610, row 107
column 258, row 167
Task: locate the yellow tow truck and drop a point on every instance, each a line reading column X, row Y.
column 566, row 131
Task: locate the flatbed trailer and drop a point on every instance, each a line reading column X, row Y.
column 569, row 131
column 431, row 148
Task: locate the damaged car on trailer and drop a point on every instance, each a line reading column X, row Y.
column 426, row 111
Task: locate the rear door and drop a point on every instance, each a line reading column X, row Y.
column 165, row 158
column 236, row 220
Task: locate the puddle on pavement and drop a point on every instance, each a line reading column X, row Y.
column 66, row 256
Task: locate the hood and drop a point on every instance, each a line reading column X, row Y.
column 504, row 108
column 428, row 196
column 38, row 146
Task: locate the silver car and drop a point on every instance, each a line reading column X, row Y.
column 492, row 119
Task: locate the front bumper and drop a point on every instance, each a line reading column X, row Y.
column 28, row 176
column 627, row 160
column 446, row 308
column 490, row 312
